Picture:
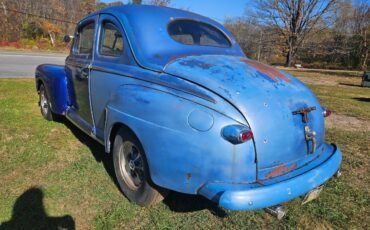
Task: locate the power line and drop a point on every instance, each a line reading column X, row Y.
column 39, row 16
column 60, row 20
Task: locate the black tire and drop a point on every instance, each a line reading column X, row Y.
column 44, row 104
column 133, row 174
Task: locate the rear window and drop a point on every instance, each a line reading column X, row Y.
column 191, row 32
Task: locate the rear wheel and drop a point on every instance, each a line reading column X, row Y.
column 131, row 169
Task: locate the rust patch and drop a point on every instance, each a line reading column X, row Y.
column 188, row 176
column 157, row 56
column 196, row 63
column 281, row 170
column 174, row 58
column 267, row 70
column 205, row 65
column 187, row 182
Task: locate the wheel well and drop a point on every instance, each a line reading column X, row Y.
column 113, row 133
column 116, row 127
column 38, row 84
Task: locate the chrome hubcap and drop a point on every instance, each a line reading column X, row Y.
column 44, row 103
column 131, row 165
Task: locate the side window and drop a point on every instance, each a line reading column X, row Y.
column 85, row 40
column 111, row 42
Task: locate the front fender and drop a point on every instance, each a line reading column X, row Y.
column 55, row 81
column 182, row 139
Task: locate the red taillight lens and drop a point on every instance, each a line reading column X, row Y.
column 246, row 136
column 326, row 112
column 237, row 134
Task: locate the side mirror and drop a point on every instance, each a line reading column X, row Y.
column 67, row 38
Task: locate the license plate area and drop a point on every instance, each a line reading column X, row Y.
column 313, row 194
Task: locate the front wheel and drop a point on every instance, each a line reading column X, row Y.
column 45, row 105
column 131, row 169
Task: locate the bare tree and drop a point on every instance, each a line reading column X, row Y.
column 257, row 41
column 361, row 21
column 294, row 19
column 160, row 2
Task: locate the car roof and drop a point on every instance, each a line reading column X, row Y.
column 146, row 29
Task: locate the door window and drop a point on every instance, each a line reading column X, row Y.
column 111, row 42
column 85, row 40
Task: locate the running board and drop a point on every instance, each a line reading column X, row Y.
column 75, row 118
column 87, row 128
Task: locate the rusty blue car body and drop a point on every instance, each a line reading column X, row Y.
column 178, row 98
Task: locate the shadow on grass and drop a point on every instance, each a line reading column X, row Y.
column 349, row 84
column 96, row 148
column 177, row 202
column 362, row 99
column 29, row 213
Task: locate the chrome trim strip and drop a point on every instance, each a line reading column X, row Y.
column 161, row 83
column 91, row 107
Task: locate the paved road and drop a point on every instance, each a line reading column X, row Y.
column 19, row 64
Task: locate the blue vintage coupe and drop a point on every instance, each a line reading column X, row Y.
column 173, row 98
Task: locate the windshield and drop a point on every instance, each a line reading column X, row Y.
column 191, row 32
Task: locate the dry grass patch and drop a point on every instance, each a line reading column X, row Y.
column 326, row 77
column 348, row 123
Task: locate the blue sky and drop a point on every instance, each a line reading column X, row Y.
column 215, row 9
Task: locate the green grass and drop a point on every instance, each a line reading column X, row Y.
column 75, row 178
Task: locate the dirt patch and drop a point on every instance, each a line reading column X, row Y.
column 348, row 123
column 326, row 77
column 318, row 81
column 336, row 72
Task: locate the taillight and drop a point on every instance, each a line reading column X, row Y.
column 246, row 136
column 237, row 134
column 326, row 112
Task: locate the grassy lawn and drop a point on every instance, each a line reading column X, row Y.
column 50, row 171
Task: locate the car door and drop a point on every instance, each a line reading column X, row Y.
column 78, row 65
column 112, row 59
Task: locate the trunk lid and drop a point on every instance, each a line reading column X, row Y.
column 267, row 98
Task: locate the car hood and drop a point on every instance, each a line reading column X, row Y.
column 266, row 97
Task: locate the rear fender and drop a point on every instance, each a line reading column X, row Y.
column 182, row 140
column 53, row 77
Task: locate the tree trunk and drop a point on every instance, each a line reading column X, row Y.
column 52, row 39
column 259, row 47
column 292, row 50
column 288, row 61
column 290, row 53
column 5, row 12
column 365, row 51
column 364, row 60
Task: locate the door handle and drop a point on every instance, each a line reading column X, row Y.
column 83, row 72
